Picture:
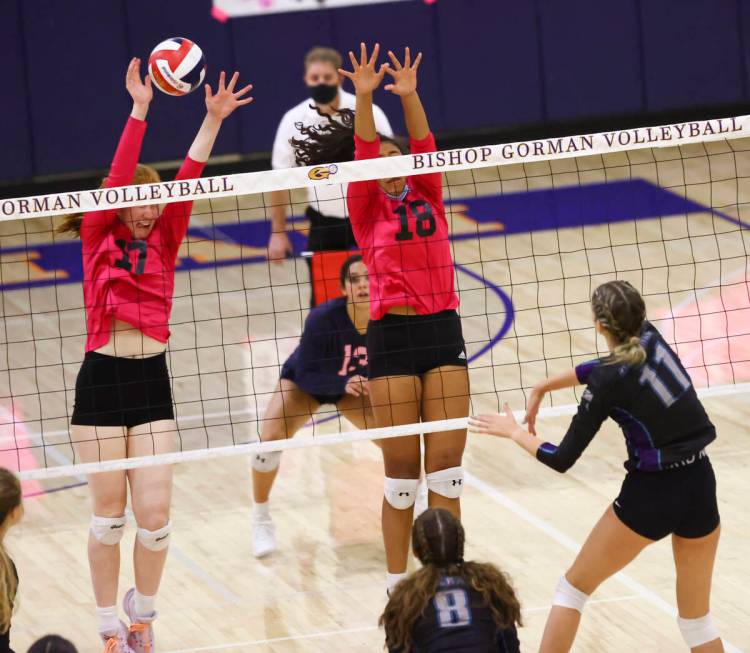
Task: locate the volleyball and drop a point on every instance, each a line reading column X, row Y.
column 177, row 66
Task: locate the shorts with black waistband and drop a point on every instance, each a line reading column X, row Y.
column 680, row 501
column 412, row 345
column 116, row 391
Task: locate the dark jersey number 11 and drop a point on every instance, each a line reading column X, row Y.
column 422, row 211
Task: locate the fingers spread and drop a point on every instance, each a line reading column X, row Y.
column 375, row 52
column 244, row 90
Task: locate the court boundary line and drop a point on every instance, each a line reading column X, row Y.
column 568, row 543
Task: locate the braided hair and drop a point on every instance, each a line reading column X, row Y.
column 620, row 309
column 438, row 543
column 332, row 142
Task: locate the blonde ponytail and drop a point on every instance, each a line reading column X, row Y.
column 630, row 353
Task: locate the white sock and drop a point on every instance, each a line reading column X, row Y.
column 260, row 511
column 109, row 622
column 143, row 605
column 391, row 580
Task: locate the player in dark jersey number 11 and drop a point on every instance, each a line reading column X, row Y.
column 670, row 488
column 450, row 604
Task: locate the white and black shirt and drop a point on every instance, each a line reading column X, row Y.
column 330, row 200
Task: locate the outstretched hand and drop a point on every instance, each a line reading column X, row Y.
column 500, row 424
column 366, row 75
column 140, row 90
column 222, row 103
column 404, row 76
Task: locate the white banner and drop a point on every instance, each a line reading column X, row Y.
column 684, row 133
column 236, row 8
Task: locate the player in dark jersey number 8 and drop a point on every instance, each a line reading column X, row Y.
column 670, row 486
column 449, row 604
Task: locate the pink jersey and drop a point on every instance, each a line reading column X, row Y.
column 404, row 242
column 126, row 279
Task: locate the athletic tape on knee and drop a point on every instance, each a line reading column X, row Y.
column 698, row 631
column 447, row 483
column 266, row 462
column 157, row 540
column 567, row 596
column 108, row 530
column 401, row 493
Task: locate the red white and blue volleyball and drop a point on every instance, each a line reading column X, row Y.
column 177, row 66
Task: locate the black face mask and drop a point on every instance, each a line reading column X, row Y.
column 324, row 93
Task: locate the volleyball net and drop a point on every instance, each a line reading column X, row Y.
column 534, row 228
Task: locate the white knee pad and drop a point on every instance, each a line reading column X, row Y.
column 697, row 631
column 401, row 493
column 567, row 596
column 266, row 461
column 157, row 540
column 108, row 530
column 447, row 483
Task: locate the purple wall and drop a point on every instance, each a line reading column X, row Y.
column 488, row 64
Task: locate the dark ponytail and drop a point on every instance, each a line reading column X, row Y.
column 332, row 142
column 438, row 542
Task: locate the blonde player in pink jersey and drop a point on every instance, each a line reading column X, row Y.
column 417, row 366
column 123, row 401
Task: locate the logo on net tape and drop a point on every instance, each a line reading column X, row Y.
column 323, row 172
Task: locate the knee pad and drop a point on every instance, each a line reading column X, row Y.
column 567, row 596
column 448, row 483
column 401, row 493
column 698, row 631
column 157, row 540
column 266, row 461
column 108, row 530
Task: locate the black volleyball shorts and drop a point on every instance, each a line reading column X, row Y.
column 115, row 391
column 414, row 344
column 680, row 501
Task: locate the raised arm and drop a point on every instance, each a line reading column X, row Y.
column 366, row 77
column 122, row 170
column 218, row 107
column 404, row 85
column 129, row 148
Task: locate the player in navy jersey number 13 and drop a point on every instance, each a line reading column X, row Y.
column 328, row 367
column 670, row 488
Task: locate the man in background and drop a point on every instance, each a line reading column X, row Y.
column 330, row 229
